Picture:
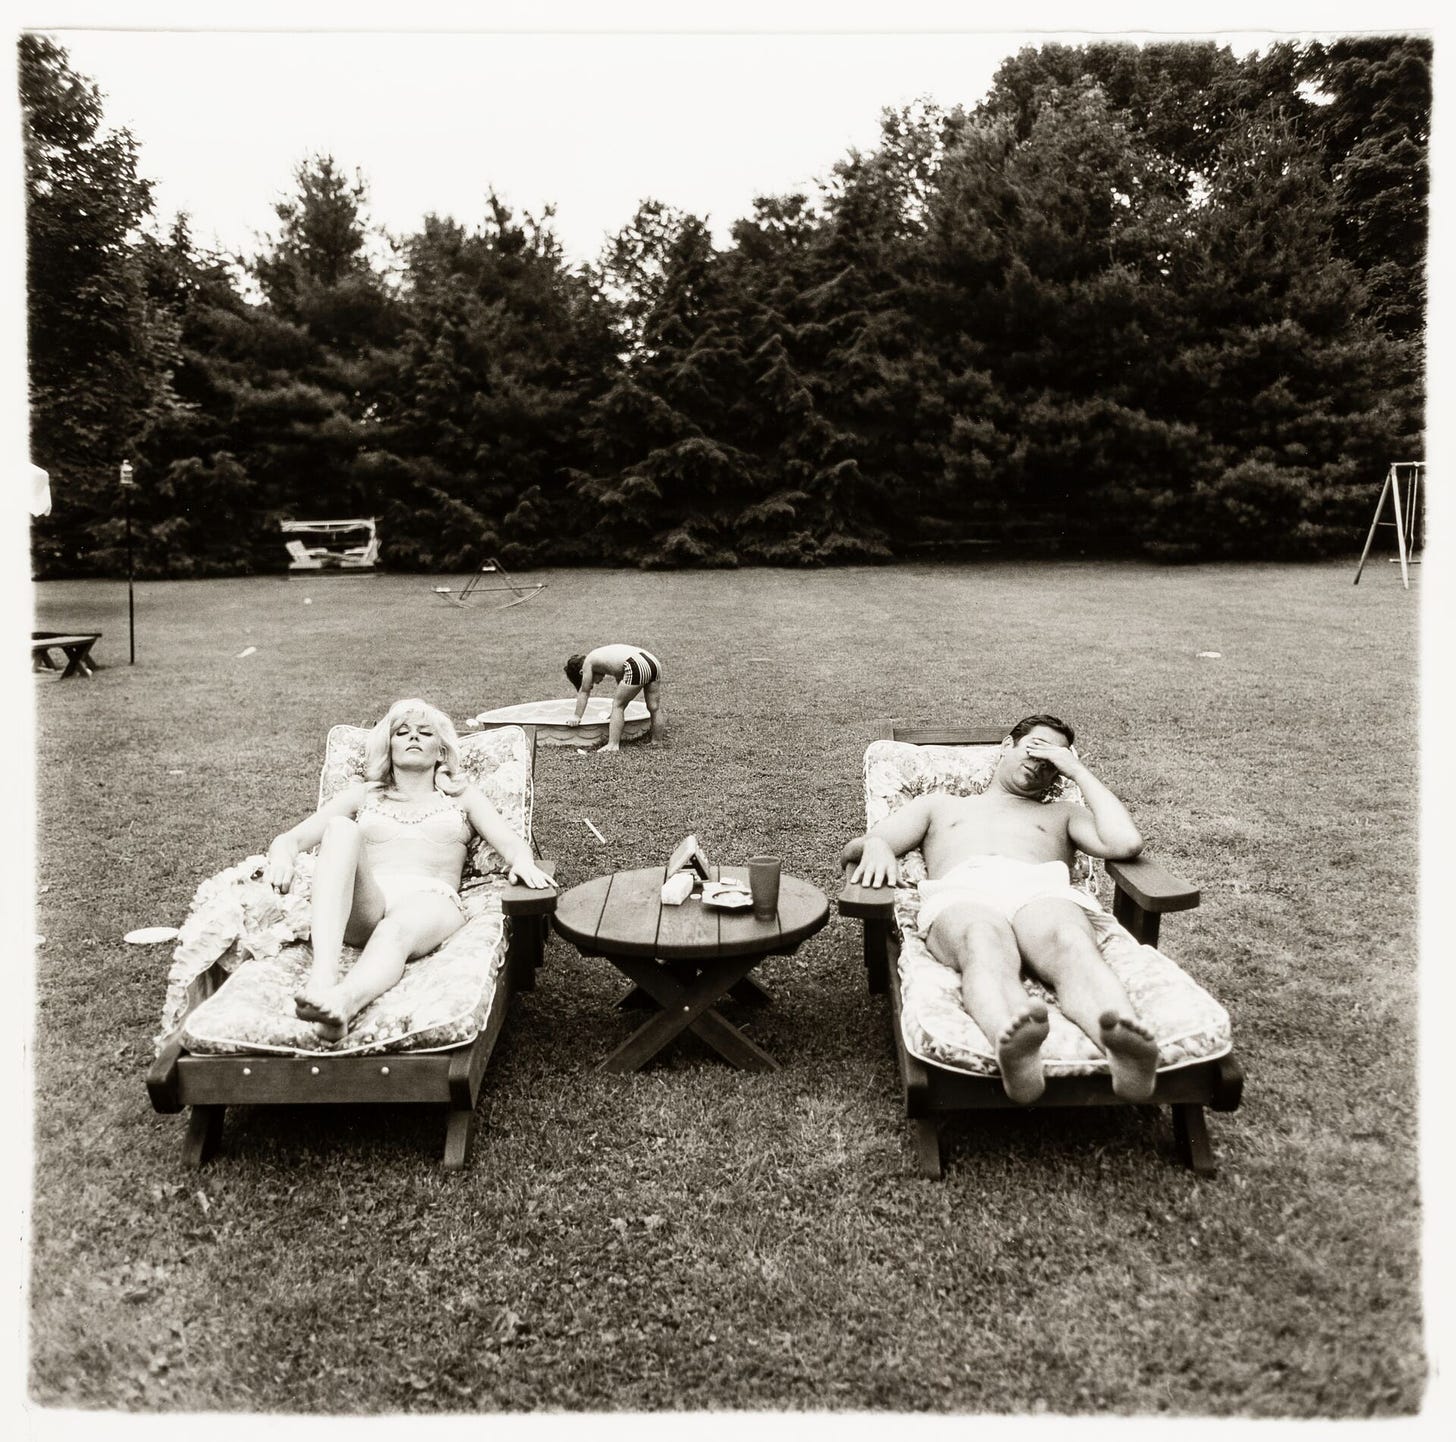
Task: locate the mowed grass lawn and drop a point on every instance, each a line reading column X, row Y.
column 692, row 1237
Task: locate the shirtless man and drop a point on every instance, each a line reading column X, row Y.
column 635, row 670
column 999, row 894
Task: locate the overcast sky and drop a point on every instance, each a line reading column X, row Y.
column 591, row 123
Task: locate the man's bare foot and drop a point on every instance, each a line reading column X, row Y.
column 320, row 1006
column 602, row 750
column 1018, row 1050
column 1132, row 1054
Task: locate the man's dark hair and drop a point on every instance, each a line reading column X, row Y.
column 1053, row 723
column 573, row 670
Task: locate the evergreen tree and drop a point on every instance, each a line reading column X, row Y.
column 99, row 351
column 1276, row 363
column 1037, row 255
column 197, row 510
column 504, row 349
column 319, row 351
column 880, row 386
column 1374, row 126
column 665, row 479
column 775, row 264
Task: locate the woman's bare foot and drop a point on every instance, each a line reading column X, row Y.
column 320, row 1006
column 604, row 749
column 1018, row 1050
column 1132, row 1054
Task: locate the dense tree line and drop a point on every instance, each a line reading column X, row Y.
column 1163, row 299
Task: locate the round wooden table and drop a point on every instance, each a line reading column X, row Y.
column 686, row 958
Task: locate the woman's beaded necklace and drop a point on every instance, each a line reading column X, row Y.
column 447, row 803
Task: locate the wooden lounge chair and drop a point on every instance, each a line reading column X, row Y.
column 946, row 1064
column 229, row 1033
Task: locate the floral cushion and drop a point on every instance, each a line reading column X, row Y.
column 1189, row 1024
column 261, row 940
column 261, row 937
column 498, row 762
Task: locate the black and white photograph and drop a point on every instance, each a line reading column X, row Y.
column 735, row 717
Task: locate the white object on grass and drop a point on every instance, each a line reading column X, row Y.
column 1213, row 655
column 585, row 822
column 308, row 600
column 248, row 652
column 151, row 935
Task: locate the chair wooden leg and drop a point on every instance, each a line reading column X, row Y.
column 1228, row 1088
column 204, row 1132
column 876, row 956
column 527, row 950
column 1190, row 1131
column 459, row 1133
column 927, row 1146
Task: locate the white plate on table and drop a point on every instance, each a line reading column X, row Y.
column 731, row 898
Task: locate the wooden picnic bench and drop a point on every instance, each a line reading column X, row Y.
column 76, row 645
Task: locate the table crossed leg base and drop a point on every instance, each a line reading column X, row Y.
column 746, row 992
column 686, row 999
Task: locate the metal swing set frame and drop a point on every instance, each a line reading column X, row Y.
column 1407, row 517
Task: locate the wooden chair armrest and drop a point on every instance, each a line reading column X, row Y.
column 1151, row 886
column 867, row 903
column 527, row 900
column 162, row 1075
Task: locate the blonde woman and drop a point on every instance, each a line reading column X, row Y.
column 391, row 852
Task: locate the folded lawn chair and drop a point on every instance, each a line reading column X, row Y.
column 947, row 1065
column 229, row 1032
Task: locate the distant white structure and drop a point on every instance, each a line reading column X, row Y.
column 39, row 482
column 347, row 545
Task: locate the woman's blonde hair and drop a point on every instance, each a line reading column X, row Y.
column 379, row 768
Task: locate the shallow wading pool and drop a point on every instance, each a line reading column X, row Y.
column 552, row 720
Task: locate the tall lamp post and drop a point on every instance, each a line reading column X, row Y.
column 128, row 485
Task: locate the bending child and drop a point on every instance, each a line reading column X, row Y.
column 634, row 670
column 999, row 894
column 391, row 855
